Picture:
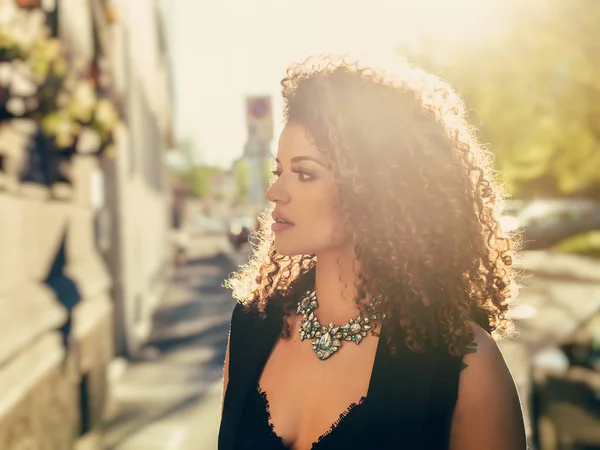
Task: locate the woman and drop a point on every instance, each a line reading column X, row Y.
column 366, row 313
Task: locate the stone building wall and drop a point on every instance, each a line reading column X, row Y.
column 57, row 290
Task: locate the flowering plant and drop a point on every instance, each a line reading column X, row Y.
column 37, row 81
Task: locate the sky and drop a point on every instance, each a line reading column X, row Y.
column 224, row 51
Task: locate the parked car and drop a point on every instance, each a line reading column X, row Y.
column 239, row 231
column 545, row 223
column 566, row 391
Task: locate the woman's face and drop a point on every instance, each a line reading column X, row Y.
column 307, row 218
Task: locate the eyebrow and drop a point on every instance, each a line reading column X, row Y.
column 304, row 158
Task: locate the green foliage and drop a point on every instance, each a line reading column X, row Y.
column 587, row 244
column 200, row 178
column 241, row 169
column 534, row 94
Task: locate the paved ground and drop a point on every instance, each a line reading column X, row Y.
column 171, row 399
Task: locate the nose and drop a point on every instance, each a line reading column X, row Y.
column 277, row 193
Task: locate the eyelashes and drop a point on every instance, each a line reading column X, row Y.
column 303, row 176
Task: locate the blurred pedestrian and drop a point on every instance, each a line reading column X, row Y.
column 366, row 315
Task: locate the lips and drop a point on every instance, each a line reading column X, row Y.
column 281, row 222
column 280, row 218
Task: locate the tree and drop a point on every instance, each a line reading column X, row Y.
column 200, row 180
column 535, row 96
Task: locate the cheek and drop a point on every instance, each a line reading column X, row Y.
column 339, row 230
column 334, row 219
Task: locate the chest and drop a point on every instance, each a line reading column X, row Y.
column 410, row 396
column 307, row 396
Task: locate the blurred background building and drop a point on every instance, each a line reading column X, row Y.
column 85, row 121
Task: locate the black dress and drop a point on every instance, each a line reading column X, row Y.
column 409, row 403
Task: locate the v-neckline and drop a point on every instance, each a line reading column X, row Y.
column 342, row 416
column 402, row 377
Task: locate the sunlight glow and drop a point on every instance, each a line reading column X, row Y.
column 224, row 51
column 452, row 23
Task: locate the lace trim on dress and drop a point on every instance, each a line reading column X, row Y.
column 263, row 395
column 335, row 424
column 341, row 417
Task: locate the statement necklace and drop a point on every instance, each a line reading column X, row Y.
column 328, row 339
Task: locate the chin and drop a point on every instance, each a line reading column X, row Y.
column 289, row 250
column 291, row 247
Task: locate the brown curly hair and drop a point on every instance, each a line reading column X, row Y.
column 419, row 197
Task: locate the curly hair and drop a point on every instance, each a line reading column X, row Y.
column 419, row 196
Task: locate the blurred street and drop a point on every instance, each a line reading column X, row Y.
column 170, row 398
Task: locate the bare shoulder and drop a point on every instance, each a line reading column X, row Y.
column 483, row 354
column 488, row 411
column 484, row 368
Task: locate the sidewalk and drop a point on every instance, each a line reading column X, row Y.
column 171, row 397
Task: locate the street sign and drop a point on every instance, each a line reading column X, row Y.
column 259, row 118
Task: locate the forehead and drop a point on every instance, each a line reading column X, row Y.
column 295, row 141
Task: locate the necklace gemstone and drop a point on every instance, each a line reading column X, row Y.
column 327, row 340
column 305, row 302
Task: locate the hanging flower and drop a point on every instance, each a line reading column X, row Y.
column 83, row 101
column 28, row 4
column 9, row 49
column 89, row 141
column 43, row 54
column 106, row 116
column 37, row 81
column 16, row 106
column 62, row 128
column 21, row 82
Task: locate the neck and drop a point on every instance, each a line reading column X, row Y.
column 335, row 285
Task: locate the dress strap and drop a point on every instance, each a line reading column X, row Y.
column 401, row 390
column 251, row 339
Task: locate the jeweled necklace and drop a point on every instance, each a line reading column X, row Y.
column 327, row 340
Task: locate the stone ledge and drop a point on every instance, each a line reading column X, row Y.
column 34, row 191
column 93, row 332
column 91, row 441
column 22, row 373
column 62, row 191
column 89, row 312
column 91, row 276
column 31, row 235
column 27, row 312
column 13, row 270
column 44, row 225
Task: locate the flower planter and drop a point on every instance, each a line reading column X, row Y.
column 28, row 4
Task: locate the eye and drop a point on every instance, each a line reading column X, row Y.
column 276, row 172
column 304, row 176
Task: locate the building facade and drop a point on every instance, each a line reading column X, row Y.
column 84, row 251
column 140, row 196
